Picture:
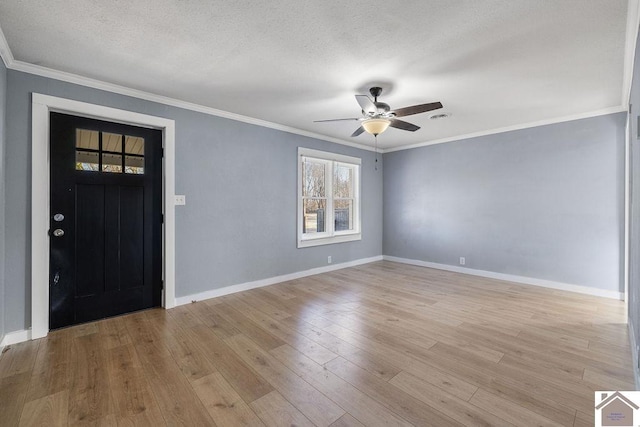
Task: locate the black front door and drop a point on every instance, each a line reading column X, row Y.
column 105, row 219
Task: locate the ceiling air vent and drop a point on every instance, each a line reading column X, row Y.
column 440, row 116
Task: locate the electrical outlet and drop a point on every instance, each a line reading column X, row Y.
column 180, row 199
column 329, row 259
column 462, row 260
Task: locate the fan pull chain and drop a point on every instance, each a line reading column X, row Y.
column 376, row 150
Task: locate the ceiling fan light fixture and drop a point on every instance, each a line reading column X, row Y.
column 376, row 126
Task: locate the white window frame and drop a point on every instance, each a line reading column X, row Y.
column 329, row 236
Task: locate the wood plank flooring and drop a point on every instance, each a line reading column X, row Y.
column 379, row 344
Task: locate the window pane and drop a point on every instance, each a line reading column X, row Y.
column 313, row 179
column 343, row 181
column 134, row 145
column 314, row 220
column 134, row 165
column 87, row 161
column 111, row 162
column 343, row 214
column 111, row 142
column 87, row 139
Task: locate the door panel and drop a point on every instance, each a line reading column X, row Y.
column 106, row 180
column 89, row 235
column 112, row 240
column 132, row 240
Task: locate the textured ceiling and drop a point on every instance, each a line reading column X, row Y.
column 493, row 64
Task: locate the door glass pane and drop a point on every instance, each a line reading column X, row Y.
column 343, row 214
column 111, row 142
column 313, row 178
column 111, row 162
column 134, row 164
column 87, row 161
column 87, row 139
column 134, row 145
column 314, row 216
column 343, row 181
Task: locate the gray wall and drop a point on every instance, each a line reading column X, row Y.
column 239, row 223
column 634, row 232
column 3, row 103
column 544, row 202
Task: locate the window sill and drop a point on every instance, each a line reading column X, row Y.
column 329, row 240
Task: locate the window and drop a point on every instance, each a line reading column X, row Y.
column 328, row 198
column 103, row 151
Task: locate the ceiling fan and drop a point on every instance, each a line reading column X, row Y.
column 378, row 116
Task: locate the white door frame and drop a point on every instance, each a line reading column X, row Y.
column 41, row 106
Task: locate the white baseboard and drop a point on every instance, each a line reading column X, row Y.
column 634, row 354
column 271, row 281
column 512, row 278
column 25, row 335
column 15, row 338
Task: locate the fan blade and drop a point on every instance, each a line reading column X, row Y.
column 357, row 131
column 417, row 109
column 366, row 104
column 336, row 120
column 400, row 124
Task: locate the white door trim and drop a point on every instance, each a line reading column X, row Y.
column 41, row 106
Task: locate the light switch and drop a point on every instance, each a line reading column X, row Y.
column 180, row 200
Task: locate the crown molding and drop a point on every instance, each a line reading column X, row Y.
column 603, row 112
column 631, row 38
column 160, row 99
column 25, row 67
column 5, row 51
column 13, row 64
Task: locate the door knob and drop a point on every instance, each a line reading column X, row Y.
column 58, row 232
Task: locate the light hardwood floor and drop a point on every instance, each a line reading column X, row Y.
column 380, row 344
